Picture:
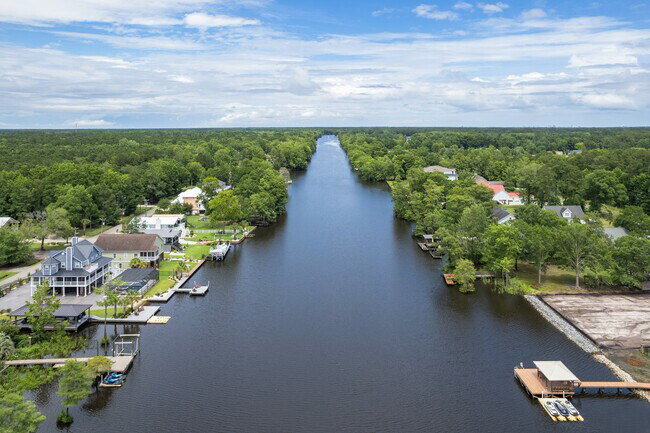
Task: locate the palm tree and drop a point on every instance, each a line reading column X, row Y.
column 6, row 346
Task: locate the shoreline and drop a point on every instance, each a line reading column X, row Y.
column 582, row 341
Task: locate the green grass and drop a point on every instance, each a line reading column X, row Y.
column 109, row 312
column 36, row 246
column 164, row 283
column 197, row 252
column 556, row 279
column 6, row 274
column 228, row 236
column 193, row 222
column 93, row 231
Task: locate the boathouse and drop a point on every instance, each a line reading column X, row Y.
column 76, row 315
column 556, row 377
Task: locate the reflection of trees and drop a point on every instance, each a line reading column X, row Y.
column 98, row 400
column 42, row 394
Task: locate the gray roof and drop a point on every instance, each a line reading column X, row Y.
column 615, row 232
column 65, row 310
column 128, row 241
column 499, row 213
column 76, row 272
column 134, row 275
column 439, row 168
column 559, row 210
column 5, row 220
column 555, row 371
column 164, row 233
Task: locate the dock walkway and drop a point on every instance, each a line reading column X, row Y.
column 120, row 363
column 615, row 385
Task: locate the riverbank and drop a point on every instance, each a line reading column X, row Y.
column 582, row 341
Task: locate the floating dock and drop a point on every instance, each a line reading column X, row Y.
column 435, row 254
column 449, row 279
column 160, row 320
column 558, row 417
column 196, row 290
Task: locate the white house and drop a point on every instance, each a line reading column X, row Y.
column 501, row 215
column 500, row 195
column 449, row 172
column 162, row 221
column 568, row 212
column 7, row 221
column 194, row 197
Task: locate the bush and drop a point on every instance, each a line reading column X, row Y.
column 64, row 418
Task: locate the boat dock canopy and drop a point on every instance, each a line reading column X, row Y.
column 555, row 371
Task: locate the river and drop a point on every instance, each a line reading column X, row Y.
column 334, row 320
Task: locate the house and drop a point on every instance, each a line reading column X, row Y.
column 123, row 248
column 501, row 215
column 170, row 237
column 500, row 195
column 568, row 212
column 81, row 267
column 449, row 172
column 8, row 221
column 74, row 314
column 139, row 280
column 614, row 233
column 162, row 221
column 194, row 197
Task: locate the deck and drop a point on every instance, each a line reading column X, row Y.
column 615, row 385
column 449, row 279
column 120, row 363
column 530, row 380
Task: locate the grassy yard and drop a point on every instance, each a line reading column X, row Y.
column 197, row 252
column 194, row 222
column 164, row 283
column 109, row 312
column 227, row 236
column 93, row 231
column 36, row 246
column 6, row 274
column 556, row 279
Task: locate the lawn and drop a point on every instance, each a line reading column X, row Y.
column 36, row 246
column 109, row 312
column 556, row 279
column 93, row 231
column 194, row 222
column 6, row 274
column 197, row 252
column 165, row 271
column 227, row 236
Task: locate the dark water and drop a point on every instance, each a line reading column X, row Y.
column 334, row 320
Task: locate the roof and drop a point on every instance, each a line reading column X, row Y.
column 163, row 218
column 127, row 242
column 439, row 168
column 615, row 232
column 514, row 194
column 64, row 310
column 499, row 213
column 191, row 193
column 134, row 275
column 555, row 371
column 164, row 233
column 559, row 210
column 6, row 220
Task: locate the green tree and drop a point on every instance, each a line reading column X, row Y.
column 604, row 187
column 33, row 228
column 465, row 275
column 18, row 415
column 132, row 226
column 6, row 346
column 40, row 311
column 502, row 246
column 58, row 222
column 634, row 219
column 631, row 257
column 579, row 247
column 98, row 365
column 137, row 263
column 473, row 223
column 14, row 247
column 74, row 386
column 225, row 208
column 539, row 245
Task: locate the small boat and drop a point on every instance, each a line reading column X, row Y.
column 572, row 410
column 560, row 407
column 551, row 409
column 219, row 251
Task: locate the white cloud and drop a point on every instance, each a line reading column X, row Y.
column 492, row 8
column 181, row 79
column 382, row 11
column 138, row 42
column 205, row 21
column 463, row 6
column 533, row 14
column 609, row 101
column 433, row 13
column 97, row 123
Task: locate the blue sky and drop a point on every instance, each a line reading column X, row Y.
column 226, row 63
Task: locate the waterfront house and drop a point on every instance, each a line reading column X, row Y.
column 194, row 197
column 499, row 193
column 123, row 248
column 139, row 280
column 502, row 216
column 569, row 213
column 162, row 221
column 170, row 237
column 8, row 221
column 76, row 315
column 81, row 267
column 449, row 172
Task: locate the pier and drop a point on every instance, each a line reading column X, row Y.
column 120, row 364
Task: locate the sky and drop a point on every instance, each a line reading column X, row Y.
column 227, row 63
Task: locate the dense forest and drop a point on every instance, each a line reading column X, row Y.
column 605, row 171
column 99, row 176
column 59, row 181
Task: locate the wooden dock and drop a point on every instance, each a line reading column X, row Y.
column 120, row 363
column 194, row 291
column 449, row 279
column 615, row 385
column 435, row 254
